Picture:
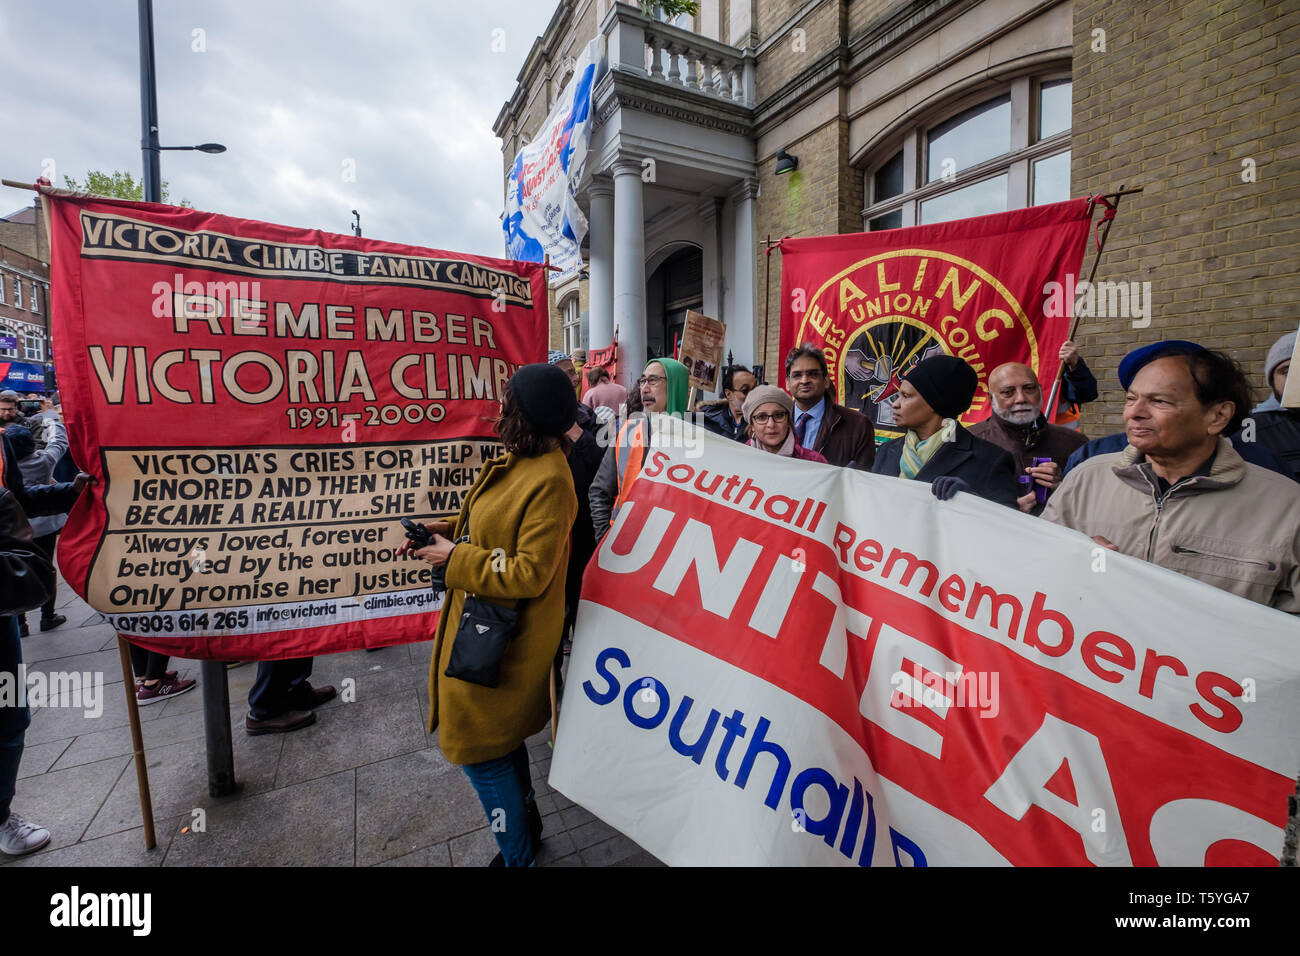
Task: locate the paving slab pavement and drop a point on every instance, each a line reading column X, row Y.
column 364, row 786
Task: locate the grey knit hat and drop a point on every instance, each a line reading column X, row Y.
column 763, row 395
column 1281, row 351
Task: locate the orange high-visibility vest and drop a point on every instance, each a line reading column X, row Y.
column 629, row 456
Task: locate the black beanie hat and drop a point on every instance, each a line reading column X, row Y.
column 545, row 397
column 945, row 382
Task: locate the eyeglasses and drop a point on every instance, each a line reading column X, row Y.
column 762, row 418
column 812, row 375
column 651, row 380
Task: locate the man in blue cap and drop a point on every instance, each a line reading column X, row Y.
column 1253, row 452
column 1179, row 495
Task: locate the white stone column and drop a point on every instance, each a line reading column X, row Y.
column 600, row 265
column 743, row 319
column 712, row 259
column 629, row 269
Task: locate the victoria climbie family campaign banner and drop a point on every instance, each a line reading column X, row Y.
column 260, row 406
column 785, row 662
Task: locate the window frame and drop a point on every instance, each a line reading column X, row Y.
column 1026, row 149
column 5, row 331
column 37, row 337
column 571, row 331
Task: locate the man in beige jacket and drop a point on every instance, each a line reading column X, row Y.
column 1179, row 496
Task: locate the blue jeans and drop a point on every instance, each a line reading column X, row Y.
column 505, row 788
column 13, row 720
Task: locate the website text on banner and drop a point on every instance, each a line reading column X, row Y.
column 879, row 302
column 261, row 405
column 780, row 662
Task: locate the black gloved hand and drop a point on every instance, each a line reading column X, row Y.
column 945, row 486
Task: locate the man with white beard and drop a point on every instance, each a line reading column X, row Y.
column 1018, row 425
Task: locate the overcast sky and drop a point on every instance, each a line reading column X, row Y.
column 406, row 90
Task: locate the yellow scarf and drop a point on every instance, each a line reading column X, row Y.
column 917, row 452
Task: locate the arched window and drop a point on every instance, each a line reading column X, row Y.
column 997, row 150
column 9, row 335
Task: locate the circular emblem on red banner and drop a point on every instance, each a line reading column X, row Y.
column 879, row 317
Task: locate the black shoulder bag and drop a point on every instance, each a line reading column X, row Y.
column 482, row 636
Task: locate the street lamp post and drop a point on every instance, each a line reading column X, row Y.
column 216, row 688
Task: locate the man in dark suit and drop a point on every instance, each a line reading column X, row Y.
column 840, row 435
column 936, row 448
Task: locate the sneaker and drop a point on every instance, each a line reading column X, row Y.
column 170, row 675
column 18, row 837
column 50, row 623
column 165, row 688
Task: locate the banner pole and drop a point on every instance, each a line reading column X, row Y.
column 767, row 297
column 1092, row 273
column 137, row 744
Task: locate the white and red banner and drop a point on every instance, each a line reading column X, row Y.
column 781, row 662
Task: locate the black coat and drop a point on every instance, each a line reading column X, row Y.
column 35, row 500
column 26, row 577
column 718, row 419
column 584, row 460
column 984, row 466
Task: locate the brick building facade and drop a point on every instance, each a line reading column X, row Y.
column 1030, row 101
column 24, row 301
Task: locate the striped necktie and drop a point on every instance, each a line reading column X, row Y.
column 801, row 427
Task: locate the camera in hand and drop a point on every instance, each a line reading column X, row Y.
column 417, row 534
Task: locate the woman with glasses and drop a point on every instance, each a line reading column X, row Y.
column 768, row 411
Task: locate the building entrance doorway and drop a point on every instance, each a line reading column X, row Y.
column 673, row 288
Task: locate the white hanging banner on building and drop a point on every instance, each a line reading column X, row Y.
column 542, row 216
column 782, row 662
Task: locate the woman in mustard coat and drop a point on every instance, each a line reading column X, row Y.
column 518, row 516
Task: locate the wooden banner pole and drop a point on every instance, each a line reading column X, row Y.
column 1092, row 273
column 137, row 744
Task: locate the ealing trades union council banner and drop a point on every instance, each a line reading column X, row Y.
column 782, row 662
column 261, row 405
column 879, row 302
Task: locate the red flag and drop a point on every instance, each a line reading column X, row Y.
column 261, row 405
column 877, row 303
column 606, row 358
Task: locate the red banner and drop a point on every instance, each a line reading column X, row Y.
column 260, row 405
column 606, row 358
column 877, row 303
